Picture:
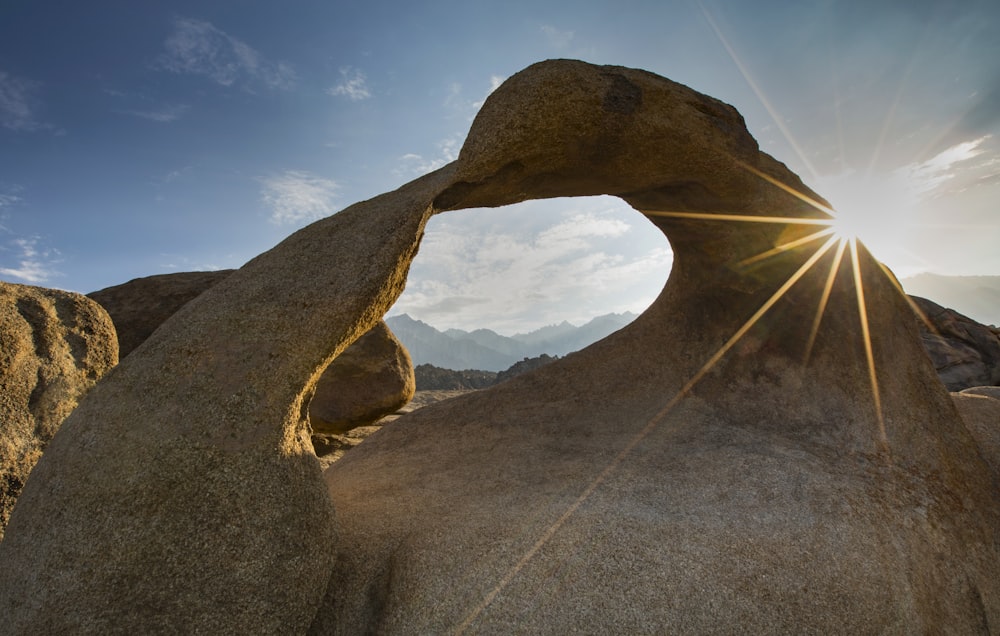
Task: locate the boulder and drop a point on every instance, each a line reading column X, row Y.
column 964, row 352
column 739, row 458
column 54, row 346
column 981, row 412
column 372, row 378
column 141, row 305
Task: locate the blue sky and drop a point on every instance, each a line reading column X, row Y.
column 155, row 137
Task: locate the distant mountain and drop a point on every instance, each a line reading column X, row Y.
column 487, row 350
column 977, row 297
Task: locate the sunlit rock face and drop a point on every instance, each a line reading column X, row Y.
column 738, row 458
column 372, row 378
column 54, row 346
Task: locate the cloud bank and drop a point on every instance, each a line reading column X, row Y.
column 543, row 262
column 298, row 196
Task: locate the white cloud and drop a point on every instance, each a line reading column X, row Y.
column 7, row 199
column 199, row 48
column 475, row 271
column 297, row 196
column 35, row 264
column 495, row 82
column 928, row 178
column 163, row 115
column 556, row 38
column 15, row 103
column 413, row 164
column 354, row 85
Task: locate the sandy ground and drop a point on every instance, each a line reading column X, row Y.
column 330, row 448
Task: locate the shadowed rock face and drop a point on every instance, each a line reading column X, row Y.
column 627, row 488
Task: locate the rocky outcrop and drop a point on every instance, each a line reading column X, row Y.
column 964, row 352
column 735, row 458
column 141, row 305
column 54, row 346
column 372, row 378
column 980, row 409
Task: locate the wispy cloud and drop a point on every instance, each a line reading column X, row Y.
column 297, row 196
column 412, row 164
column 557, row 38
column 200, row 48
column 163, row 115
column 457, row 101
column 8, row 199
column 35, row 264
column 495, row 82
column 954, row 165
column 16, row 103
column 585, row 262
column 354, row 85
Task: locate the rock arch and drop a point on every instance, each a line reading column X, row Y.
column 181, row 492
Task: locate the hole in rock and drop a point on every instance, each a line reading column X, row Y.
column 492, row 287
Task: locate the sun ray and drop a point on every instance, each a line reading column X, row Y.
column 914, row 306
column 787, row 188
column 641, row 435
column 784, row 247
column 741, row 218
column 765, row 102
column 825, row 298
column 867, row 341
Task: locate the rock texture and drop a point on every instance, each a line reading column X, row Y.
column 695, row 472
column 372, row 378
column 54, row 346
column 980, row 409
column 964, row 352
column 141, row 305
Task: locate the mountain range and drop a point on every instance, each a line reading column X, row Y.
column 977, row 297
column 487, row 350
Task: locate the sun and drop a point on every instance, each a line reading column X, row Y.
column 874, row 211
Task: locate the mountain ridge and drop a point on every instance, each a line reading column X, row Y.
column 484, row 349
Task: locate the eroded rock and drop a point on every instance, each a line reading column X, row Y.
column 964, row 352
column 372, row 378
column 718, row 464
column 141, row 305
column 54, row 346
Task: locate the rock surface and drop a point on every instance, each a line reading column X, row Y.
column 695, row 472
column 964, row 352
column 370, row 379
column 141, row 305
column 54, row 346
column 980, row 410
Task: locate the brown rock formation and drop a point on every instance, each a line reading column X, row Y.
column 54, row 346
column 711, row 467
column 141, row 305
column 964, row 352
column 372, row 378
column 980, row 409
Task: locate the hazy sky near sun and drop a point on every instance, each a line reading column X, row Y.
column 141, row 138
